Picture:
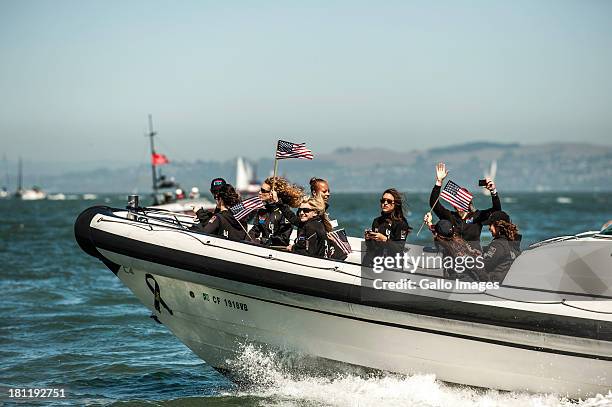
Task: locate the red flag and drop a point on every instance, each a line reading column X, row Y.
column 159, row 159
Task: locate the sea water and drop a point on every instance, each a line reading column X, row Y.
column 67, row 322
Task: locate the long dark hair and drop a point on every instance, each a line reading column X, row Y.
column 507, row 229
column 398, row 209
column 228, row 195
column 455, row 246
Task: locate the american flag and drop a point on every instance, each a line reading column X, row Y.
column 340, row 239
column 247, row 206
column 457, row 196
column 286, row 149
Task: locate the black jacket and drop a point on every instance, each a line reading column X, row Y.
column 470, row 227
column 271, row 226
column 395, row 230
column 311, row 238
column 498, row 257
column 224, row 224
column 291, row 216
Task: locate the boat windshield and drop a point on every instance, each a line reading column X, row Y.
column 607, row 231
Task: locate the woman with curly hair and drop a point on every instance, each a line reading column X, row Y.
column 274, row 223
column 503, row 250
column 223, row 223
column 314, row 224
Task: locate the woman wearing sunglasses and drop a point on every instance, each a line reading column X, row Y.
column 314, row 225
column 391, row 225
column 272, row 227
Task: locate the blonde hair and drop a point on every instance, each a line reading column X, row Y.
column 317, row 203
column 290, row 194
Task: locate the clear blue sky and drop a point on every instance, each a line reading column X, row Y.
column 78, row 78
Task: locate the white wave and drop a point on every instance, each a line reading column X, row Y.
column 564, row 200
column 279, row 386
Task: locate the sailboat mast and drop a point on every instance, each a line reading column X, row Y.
column 20, row 176
column 6, row 172
column 153, row 170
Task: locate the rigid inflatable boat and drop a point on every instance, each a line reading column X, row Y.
column 546, row 328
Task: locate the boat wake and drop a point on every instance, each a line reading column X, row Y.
column 269, row 377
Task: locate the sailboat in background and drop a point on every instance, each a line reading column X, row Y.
column 4, row 190
column 490, row 174
column 32, row 194
column 246, row 182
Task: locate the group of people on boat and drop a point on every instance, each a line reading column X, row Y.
column 457, row 232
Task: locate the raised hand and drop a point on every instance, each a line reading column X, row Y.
column 441, row 173
column 490, row 184
column 196, row 207
column 427, row 219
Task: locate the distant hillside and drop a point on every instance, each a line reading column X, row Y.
column 544, row 167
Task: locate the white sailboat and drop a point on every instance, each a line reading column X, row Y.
column 32, row 194
column 4, row 190
column 246, row 184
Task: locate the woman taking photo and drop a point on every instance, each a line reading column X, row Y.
column 467, row 224
column 314, row 225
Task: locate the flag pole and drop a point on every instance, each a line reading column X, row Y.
column 430, row 210
column 275, row 170
column 245, row 231
column 275, row 166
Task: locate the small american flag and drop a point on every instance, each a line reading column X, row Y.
column 457, row 196
column 247, row 206
column 340, row 239
column 286, row 149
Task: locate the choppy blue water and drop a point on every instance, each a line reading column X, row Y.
column 67, row 322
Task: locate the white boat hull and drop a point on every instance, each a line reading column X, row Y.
column 222, row 315
column 32, row 195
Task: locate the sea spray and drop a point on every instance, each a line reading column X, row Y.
column 271, row 378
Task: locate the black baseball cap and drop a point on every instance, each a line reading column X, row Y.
column 444, row 228
column 495, row 216
column 216, row 184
